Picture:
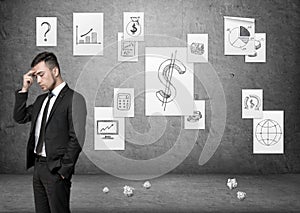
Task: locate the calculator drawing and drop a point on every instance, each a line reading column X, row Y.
column 123, row 101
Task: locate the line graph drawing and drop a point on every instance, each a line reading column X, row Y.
column 165, row 73
column 268, row 132
column 128, row 48
column 108, row 128
column 87, row 32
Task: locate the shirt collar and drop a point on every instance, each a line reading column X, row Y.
column 57, row 89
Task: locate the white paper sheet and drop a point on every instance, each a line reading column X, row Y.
column 133, row 25
column 239, row 36
column 260, row 49
column 109, row 131
column 169, row 82
column 46, row 31
column 123, row 102
column 127, row 50
column 197, row 119
column 268, row 133
column 252, row 103
column 197, row 45
column 87, row 33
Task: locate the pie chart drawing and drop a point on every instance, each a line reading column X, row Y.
column 239, row 37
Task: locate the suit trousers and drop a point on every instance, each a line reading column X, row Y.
column 51, row 192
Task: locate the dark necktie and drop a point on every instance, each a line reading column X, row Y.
column 43, row 125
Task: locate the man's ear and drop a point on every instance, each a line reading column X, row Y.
column 55, row 71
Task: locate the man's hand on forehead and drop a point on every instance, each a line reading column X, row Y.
column 31, row 73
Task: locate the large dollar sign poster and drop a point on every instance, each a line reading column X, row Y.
column 133, row 23
column 169, row 82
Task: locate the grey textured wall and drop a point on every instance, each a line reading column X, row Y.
column 279, row 77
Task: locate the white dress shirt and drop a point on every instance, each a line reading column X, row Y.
column 55, row 93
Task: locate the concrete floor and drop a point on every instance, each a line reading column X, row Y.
column 170, row 193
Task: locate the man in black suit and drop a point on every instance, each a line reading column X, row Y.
column 57, row 133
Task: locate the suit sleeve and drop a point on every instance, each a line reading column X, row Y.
column 77, row 121
column 22, row 113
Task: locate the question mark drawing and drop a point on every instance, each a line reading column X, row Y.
column 48, row 29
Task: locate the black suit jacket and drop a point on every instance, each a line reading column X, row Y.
column 65, row 128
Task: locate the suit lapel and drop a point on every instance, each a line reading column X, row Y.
column 57, row 101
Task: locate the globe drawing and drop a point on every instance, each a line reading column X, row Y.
column 268, row 132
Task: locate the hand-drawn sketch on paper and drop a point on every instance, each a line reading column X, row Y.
column 169, row 81
column 123, row 102
column 260, row 49
column 197, row 45
column 133, row 23
column 239, row 36
column 252, row 103
column 108, row 128
column 46, row 31
column 165, row 73
column 197, row 120
column 109, row 131
column 127, row 50
column 87, row 33
column 268, row 134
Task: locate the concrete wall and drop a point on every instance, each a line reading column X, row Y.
column 166, row 24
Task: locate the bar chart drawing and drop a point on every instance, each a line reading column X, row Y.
column 89, row 37
column 87, row 34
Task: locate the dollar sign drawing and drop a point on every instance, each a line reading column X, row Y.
column 134, row 29
column 252, row 104
column 165, row 73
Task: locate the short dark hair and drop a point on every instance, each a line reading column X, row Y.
column 49, row 59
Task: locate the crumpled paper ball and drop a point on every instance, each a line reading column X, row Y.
column 231, row 183
column 147, row 185
column 128, row 191
column 241, row 195
column 105, row 190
